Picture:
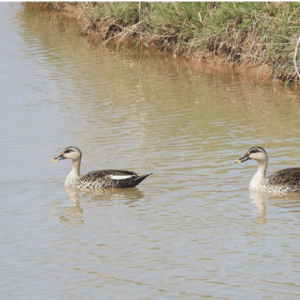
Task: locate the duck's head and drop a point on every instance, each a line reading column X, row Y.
column 257, row 153
column 71, row 152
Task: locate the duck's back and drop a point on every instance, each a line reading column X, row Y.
column 286, row 178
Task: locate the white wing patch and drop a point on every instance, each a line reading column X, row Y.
column 120, row 177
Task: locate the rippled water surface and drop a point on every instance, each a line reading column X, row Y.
column 189, row 231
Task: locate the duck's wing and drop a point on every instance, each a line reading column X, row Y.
column 109, row 174
column 129, row 181
column 114, row 178
column 289, row 177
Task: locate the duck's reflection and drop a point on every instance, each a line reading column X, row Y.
column 261, row 200
column 128, row 195
column 73, row 214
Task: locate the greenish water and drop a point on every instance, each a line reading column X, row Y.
column 189, row 231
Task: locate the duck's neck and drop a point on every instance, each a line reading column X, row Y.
column 74, row 175
column 260, row 176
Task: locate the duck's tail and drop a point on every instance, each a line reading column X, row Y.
column 139, row 179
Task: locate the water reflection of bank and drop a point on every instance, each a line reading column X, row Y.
column 91, row 67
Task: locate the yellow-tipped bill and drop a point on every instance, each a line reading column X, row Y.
column 238, row 161
column 60, row 157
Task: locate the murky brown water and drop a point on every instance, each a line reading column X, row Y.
column 191, row 230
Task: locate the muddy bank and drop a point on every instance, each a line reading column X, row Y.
column 240, row 51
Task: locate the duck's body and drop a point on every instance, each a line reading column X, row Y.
column 281, row 182
column 97, row 179
column 106, row 179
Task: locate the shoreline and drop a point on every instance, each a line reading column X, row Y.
column 116, row 31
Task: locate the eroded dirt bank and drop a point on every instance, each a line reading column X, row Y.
column 239, row 55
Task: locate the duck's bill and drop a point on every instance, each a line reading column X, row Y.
column 242, row 159
column 56, row 159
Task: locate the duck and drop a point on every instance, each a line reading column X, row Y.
column 96, row 179
column 282, row 182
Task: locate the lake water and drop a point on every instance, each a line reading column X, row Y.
column 189, row 231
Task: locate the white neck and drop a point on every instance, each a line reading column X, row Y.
column 74, row 175
column 260, row 176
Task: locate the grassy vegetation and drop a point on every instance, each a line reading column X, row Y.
column 264, row 32
column 261, row 31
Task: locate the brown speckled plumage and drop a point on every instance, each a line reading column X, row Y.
column 102, row 179
column 287, row 177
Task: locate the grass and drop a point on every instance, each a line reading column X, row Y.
column 263, row 32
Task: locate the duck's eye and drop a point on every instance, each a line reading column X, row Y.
column 68, row 151
column 254, row 151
